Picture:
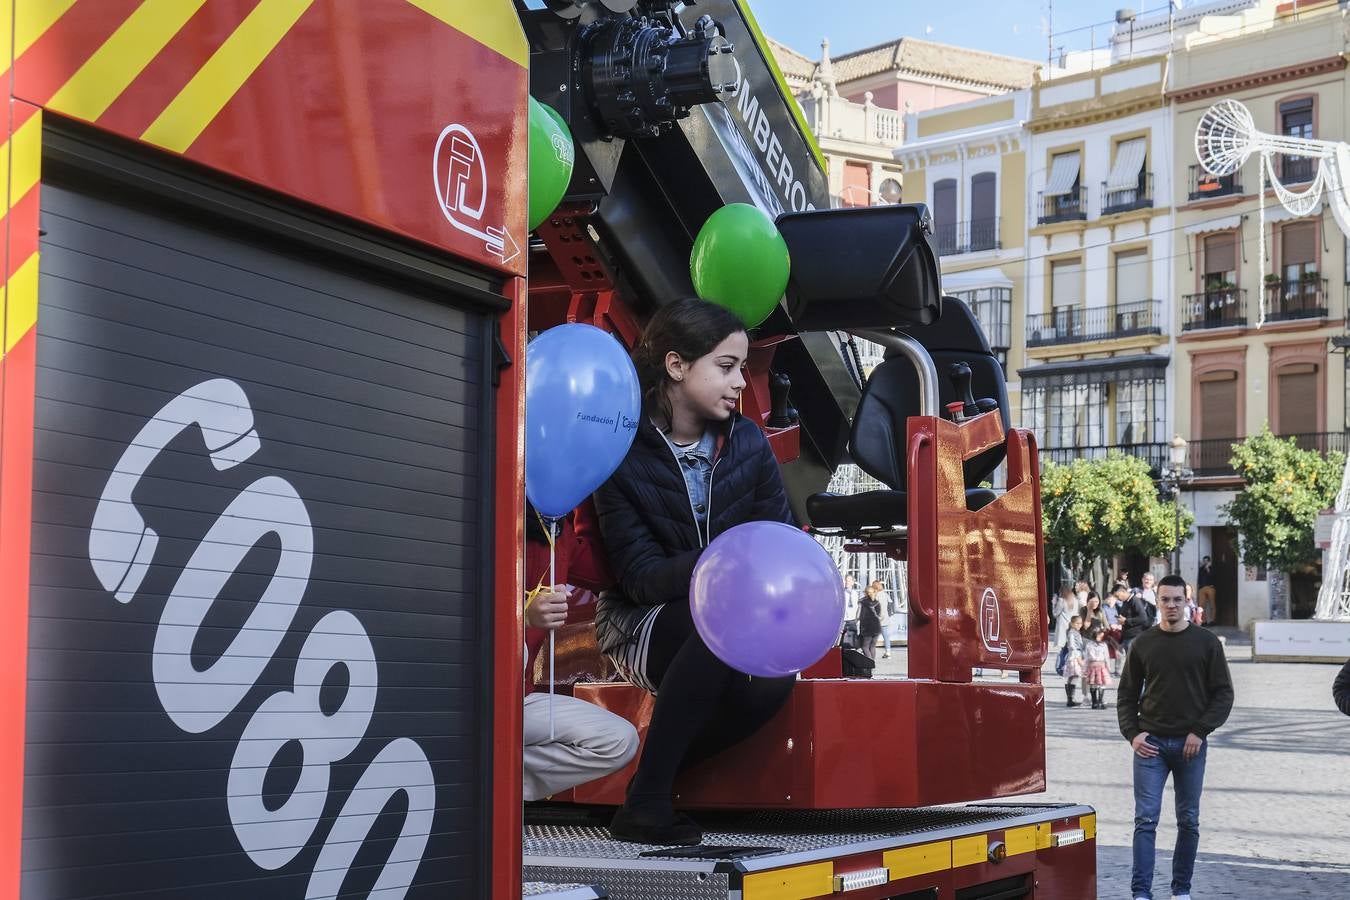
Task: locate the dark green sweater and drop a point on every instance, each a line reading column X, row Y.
column 1174, row 684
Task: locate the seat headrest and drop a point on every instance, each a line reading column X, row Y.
column 865, row 267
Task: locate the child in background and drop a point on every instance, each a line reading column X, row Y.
column 1097, row 653
column 1073, row 663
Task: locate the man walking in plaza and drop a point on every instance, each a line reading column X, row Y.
column 1134, row 614
column 1174, row 691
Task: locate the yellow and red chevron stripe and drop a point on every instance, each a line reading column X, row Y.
column 306, row 97
column 20, row 157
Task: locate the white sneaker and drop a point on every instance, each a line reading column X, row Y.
column 1181, row 897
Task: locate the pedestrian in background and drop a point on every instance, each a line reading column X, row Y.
column 1135, row 616
column 1174, row 692
column 869, row 620
column 1081, row 590
column 1204, row 586
column 1096, row 654
column 1146, row 589
column 1062, row 611
column 888, row 611
column 1073, row 662
column 1111, row 612
column 848, row 636
column 1092, row 615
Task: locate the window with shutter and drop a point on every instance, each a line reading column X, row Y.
column 1300, row 294
column 1296, row 392
column 1066, row 297
column 1217, row 396
column 1298, row 244
column 1066, row 283
column 1131, row 277
column 983, row 203
column 944, row 215
column 1220, row 259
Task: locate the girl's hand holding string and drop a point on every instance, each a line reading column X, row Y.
column 546, row 608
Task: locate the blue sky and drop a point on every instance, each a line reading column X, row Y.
column 1012, row 27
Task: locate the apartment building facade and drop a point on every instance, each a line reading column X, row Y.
column 967, row 162
column 1098, row 264
column 1234, row 378
column 854, row 103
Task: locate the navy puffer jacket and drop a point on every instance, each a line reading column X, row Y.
column 649, row 530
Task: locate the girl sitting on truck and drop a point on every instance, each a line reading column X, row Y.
column 696, row 469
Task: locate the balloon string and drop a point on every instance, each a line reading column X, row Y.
column 552, row 561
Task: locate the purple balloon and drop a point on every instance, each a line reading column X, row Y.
column 767, row 599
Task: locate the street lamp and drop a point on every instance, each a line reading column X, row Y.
column 1173, row 475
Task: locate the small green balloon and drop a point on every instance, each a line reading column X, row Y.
column 741, row 262
column 551, row 157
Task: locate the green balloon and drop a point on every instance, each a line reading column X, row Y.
column 551, row 156
column 740, row 261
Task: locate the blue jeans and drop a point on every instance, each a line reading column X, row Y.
column 1188, row 780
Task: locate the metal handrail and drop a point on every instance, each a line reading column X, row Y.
column 919, row 358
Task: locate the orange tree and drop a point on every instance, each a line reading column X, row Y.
column 1286, row 487
column 1095, row 509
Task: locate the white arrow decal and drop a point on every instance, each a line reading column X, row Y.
column 460, row 176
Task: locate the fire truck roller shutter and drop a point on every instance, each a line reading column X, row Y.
column 269, row 679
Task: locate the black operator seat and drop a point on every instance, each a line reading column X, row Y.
column 877, row 440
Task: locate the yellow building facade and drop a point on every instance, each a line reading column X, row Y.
column 1289, row 69
column 967, row 162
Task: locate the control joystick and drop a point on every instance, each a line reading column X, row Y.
column 959, row 373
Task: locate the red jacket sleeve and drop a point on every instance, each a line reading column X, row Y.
column 588, row 566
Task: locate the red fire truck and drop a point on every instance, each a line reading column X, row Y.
column 261, row 401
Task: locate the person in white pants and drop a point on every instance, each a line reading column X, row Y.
column 587, row 742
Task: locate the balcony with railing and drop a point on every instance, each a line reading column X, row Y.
column 1062, row 207
column 830, row 115
column 1224, row 307
column 1212, row 457
column 1305, row 298
column 953, row 238
column 1155, row 454
column 1205, row 186
column 1076, row 324
column 1138, row 196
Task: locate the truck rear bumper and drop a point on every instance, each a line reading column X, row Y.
column 1024, row 850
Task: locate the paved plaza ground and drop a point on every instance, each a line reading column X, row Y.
column 1275, row 817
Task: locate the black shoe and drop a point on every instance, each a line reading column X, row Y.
column 1073, row 703
column 678, row 830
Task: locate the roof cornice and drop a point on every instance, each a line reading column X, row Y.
column 1251, row 80
column 1094, row 115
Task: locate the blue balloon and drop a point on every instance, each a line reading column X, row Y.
column 582, row 403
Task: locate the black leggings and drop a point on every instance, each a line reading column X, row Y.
column 703, row 706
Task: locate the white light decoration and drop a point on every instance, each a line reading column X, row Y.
column 1224, row 139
